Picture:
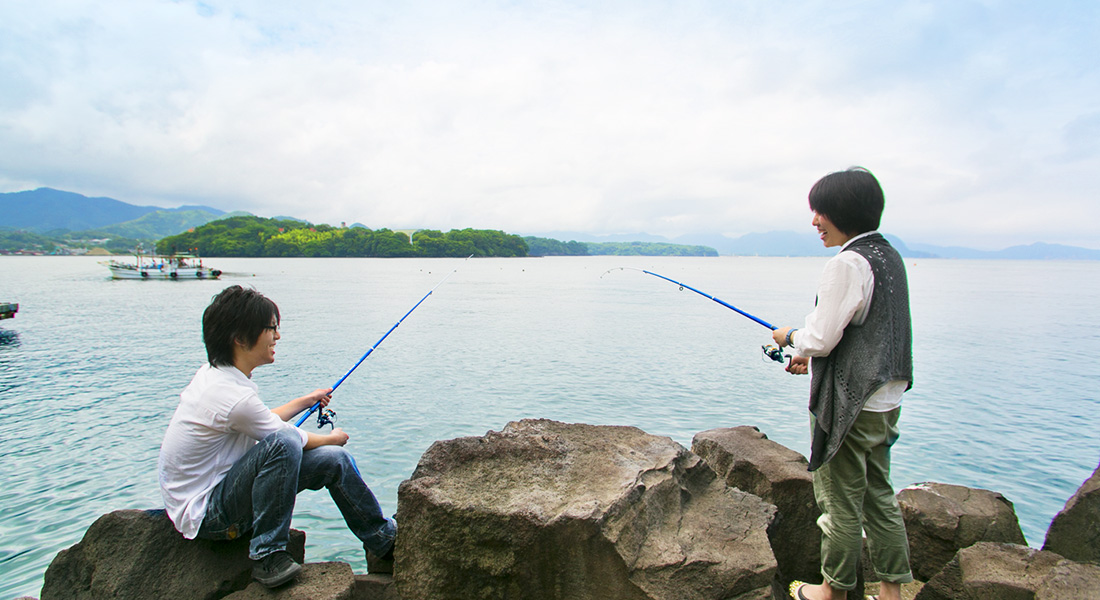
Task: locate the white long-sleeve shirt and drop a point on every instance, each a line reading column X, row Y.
column 219, row 418
column 843, row 298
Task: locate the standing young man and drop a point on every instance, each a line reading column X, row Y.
column 229, row 466
column 859, row 338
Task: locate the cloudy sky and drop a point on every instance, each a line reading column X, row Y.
column 981, row 118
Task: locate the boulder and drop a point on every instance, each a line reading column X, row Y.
column 317, row 581
column 747, row 460
column 1075, row 531
column 550, row 510
column 998, row 571
column 375, row 587
column 139, row 554
column 941, row 519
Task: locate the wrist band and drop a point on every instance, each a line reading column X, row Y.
column 789, row 333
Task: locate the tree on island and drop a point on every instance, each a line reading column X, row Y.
column 260, row 237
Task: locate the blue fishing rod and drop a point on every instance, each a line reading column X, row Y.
column 326, row 417
column 770, row 351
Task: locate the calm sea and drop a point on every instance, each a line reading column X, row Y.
column 1006, row 394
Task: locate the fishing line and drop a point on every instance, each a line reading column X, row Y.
column 328, row 417
column 770, row 351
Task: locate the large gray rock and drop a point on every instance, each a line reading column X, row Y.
column 375, row 587
column 941, row 519
column 994, row 571
column 317, row 581
column 750, row 462
column 139, row 554
column 1075, row 531
column 550, row 510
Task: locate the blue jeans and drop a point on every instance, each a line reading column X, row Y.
column 257, row 496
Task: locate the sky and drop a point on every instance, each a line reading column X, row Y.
column 981, row 119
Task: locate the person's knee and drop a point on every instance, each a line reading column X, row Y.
column 284, row 443
column 843, row 528
column 333, row 458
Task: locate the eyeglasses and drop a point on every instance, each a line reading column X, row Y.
column 274, row 328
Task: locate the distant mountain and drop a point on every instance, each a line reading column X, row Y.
column 789, row 243
column 773, row 243
column 46, row 209
column 1036, row 251
column 577, row 236
column 156, row 225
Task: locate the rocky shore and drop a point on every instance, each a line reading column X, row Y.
column 549, row 510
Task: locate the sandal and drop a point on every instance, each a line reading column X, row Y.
column 795, row 590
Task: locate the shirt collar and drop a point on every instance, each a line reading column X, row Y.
column 862, row 235
column 237, row 374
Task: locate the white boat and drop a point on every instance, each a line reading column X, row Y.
column 156, row 266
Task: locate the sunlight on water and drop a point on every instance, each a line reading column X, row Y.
column 91, row 369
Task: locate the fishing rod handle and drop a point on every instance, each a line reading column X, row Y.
column 311, row 410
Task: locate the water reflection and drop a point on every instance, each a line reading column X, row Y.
column 9, row 338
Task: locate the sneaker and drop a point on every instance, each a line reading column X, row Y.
column 275, row 569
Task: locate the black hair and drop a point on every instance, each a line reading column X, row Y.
column 235, row 315
column 852, row 200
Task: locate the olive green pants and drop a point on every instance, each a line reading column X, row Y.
column 854, row 493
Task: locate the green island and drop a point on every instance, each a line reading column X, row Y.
column 251, row 236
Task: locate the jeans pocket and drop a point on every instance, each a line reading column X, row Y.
column 216, row 527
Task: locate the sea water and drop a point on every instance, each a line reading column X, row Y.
column 1005, row 395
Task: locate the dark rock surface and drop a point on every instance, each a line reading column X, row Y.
column 549, row 510
column 747, row 460
column 995, row 571
column 318, row 581
column 375, row 587
column 1075, row 531
column 941, row 519
column 139, row 554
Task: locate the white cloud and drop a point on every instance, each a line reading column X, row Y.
column 645, row 116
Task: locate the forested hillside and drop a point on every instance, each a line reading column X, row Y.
column 648, row 249
column 257, row 236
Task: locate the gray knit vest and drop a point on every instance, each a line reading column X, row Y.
column 867, row 356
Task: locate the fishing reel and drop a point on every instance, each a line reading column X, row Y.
column 774, row 352
column 326, row 417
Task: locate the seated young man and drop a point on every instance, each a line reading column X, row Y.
column 229, row 466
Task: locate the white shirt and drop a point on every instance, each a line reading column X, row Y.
column 843, row 298
column 219, row 418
